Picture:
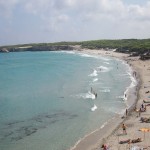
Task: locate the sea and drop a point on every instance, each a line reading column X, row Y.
column 51, row 100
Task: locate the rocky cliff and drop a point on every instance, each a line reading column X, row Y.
column 37, row 48
column 4, row 50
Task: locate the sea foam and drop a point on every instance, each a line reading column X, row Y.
column 106, row 63
column 103, row 69
column 87, row 55
column 88, row 95
column 105, row 90
column 94, row 73
column 95, row 79
column 94, row 108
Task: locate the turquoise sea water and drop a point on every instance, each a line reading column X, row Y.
column 46, row 101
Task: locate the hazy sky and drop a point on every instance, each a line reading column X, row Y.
column 34, row 21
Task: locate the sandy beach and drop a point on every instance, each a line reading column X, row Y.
column 112, row 133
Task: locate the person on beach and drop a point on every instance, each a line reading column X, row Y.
column 139, row 112
column 95, row 95
column 105, row 147
column 126, row 112
column 142, row 108
column 135, row 73
column 125, row 95
column 145, row 107
column 124, row 129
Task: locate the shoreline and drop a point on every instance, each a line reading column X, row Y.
column 94, row 140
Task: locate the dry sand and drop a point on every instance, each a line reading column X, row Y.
column 111, row 134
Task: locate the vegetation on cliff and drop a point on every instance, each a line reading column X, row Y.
column 134, row 47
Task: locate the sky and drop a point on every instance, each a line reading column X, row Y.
column 40, row 21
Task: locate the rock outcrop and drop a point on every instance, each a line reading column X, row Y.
column 4, row 50
column 37, row 48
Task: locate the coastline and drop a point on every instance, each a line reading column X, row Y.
column 107, row 134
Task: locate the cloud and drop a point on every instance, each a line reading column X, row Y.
column 6, row 7
column 80, row 19
column 77, row 9
column 138, row 12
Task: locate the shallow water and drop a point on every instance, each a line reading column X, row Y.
column 46, row 100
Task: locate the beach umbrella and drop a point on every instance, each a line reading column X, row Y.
column 145, row 130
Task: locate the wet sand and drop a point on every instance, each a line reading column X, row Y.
column 111, row 133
